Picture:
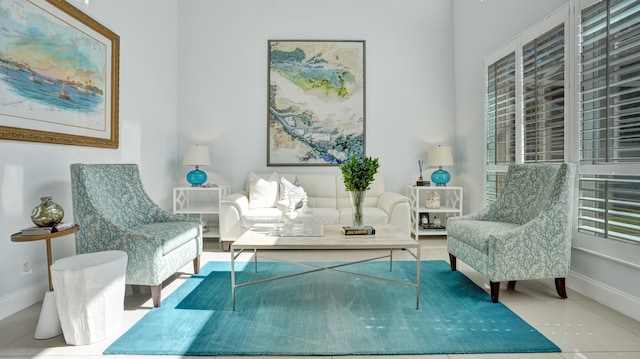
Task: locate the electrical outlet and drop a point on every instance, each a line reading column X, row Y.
column 25, row 268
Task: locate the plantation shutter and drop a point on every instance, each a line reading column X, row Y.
column 610, row 126
column 609, row 205
column 501, row 111
column 543, row 97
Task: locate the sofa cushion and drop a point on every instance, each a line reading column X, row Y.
column 261, row 215
column 263, row 193
column 172, row 234
column 372, row 215
column 376, row 188
column 477, row 233
column 274, row 215
column 320, row 216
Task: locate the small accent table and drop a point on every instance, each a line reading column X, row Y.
column 48, row 322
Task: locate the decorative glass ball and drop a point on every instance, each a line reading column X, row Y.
column 47, row 213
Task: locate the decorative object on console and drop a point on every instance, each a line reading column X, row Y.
column 421, row 181
column 47, row 213
column 433, row 200
column 440, row 156
column 196, row 156
column 358, row 175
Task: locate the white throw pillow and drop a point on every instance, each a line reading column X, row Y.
column 293, row 192
column 263, row 193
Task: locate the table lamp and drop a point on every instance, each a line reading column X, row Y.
column 196, row 156
column 440, row 156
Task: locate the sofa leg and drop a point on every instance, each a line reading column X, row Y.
column 453, row 261
column 495, row 290
column 196, row 265
column 226, row 246
column 511, row 285
column 560, row 288
column 155, row 294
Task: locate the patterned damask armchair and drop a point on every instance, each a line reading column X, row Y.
column 524, row 234
column 115, row 213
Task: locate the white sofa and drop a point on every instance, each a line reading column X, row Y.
column 327, row 199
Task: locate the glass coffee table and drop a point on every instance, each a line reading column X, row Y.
column 328, row 237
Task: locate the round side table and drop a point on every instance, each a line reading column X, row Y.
column 48, row 322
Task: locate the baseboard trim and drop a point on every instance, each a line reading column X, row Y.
column 19, row 300
column 606, row 295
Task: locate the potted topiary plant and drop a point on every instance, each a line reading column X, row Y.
column 358, row 174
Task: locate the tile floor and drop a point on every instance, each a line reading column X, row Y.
column 581, row 327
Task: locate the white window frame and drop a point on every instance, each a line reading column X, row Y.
column 556, row 18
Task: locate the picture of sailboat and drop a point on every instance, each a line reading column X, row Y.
column 63, row 94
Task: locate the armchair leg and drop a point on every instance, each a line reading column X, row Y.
column 495, row 290
column 560, row 288
column 453, row 261
column 156, row 294
column 511, row 285
column 196, row 265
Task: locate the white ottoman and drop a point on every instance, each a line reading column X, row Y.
column 89, row 290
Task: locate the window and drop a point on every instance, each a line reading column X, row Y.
column 543, row 97
column 528, row 119
column 609, row 205
column 526, row 101
column 501, row 111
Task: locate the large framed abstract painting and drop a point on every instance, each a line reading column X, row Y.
column 316, row 102
column 58, row 75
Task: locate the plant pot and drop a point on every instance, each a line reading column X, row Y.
column 357, row 202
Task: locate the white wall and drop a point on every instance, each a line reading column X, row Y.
column 223, row 75
column 148, row 112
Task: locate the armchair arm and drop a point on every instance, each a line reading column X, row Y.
column 160, row 215
column 475, row 216
column 541, row 248
column 397, row 208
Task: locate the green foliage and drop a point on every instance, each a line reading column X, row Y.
column 358, row 173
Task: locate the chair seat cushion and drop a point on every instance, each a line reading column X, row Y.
column 172, row 235
column 477, row 233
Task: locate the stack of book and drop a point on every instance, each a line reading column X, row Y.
column 36, row 231
column 432, row 227
column 366, row 230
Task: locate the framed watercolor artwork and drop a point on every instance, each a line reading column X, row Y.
column 58, row 75
column 316, row 102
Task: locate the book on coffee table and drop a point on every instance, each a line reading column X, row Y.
column 366, row 230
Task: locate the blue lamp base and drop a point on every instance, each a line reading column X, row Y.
column 196, row 177
column 440, row 177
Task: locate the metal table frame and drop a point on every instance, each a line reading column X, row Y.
column 375, row 242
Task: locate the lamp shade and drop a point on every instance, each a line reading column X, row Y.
column 440, row 156
column 196, row 156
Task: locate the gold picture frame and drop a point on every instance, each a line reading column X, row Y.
column 59, row 75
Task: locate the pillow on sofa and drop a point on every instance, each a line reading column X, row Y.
column 292, row 192
column 263, row 193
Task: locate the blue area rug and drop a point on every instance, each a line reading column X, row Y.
column 328, row 313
